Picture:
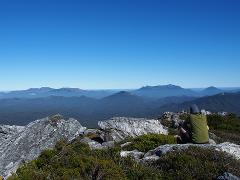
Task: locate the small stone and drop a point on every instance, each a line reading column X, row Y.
column 125, row 144
column 137, row 155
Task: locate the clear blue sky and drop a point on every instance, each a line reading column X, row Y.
column 119, row 43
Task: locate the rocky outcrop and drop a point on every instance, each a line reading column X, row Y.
column 231, row 149
column 121, row 127
column 155, row 154
column 26, row 143
column 7, row 132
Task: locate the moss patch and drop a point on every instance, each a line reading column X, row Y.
column 147, row 142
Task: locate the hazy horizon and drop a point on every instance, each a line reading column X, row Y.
column 121, row 89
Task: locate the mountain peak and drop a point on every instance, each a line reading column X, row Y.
column 168, row 86
column 211, row 87
column 162, row 91
column 121, row 94
column 40, row 89
column 211, row 91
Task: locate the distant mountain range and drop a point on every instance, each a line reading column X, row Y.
column 88, row 110
column 65, row 92
column 164, row 91
column 228, row 102
column 148, row 92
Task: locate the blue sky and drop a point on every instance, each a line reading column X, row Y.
column 99, row 44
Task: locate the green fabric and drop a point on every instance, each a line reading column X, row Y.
column 199, row 128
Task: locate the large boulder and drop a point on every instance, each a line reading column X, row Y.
column 26, row 143
column 121, row 127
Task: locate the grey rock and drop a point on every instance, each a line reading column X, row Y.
column 108, row 144
column 92, row 144
column 171, row 119
column 149, row 159
column 228, row 176
column 92, row 131
column 125, row 144
column 211, row 141
column 137, row 155
column 26, row 143
column 214, row 137
column 106, row 136
column 121, row 127
column 96, row 145
column 6, row 132
column 176, row 121
column 231, row 149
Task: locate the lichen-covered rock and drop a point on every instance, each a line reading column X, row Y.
column 121, row 127
column 6, row 132
column 229, row 148
column 26, row 143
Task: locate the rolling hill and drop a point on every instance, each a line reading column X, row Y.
column 211, row 91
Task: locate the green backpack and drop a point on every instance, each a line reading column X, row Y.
column 199, row 128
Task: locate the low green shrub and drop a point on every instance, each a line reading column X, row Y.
column 229, row 123
column 196, row 163
column 166, row 122
column 77, row 161
column 225, row 136
column 147, row 142
column 184, row 116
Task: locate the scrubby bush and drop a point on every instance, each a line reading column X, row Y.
column 166, row 122
column 147, row 142
column 225, row 136
column 196, row 163
column 225, row 127
column 184, row 116
column 229, row 123
column 77, row 161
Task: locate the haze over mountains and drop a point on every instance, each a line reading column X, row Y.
column 90, row 106
column 47, row 91
column 146, row 91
